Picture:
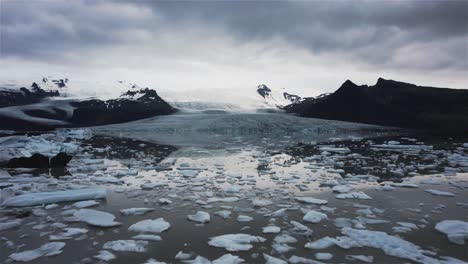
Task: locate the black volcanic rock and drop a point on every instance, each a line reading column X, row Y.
column 50, row 114
column 40, row 161
column 24, row 96
column 60, row 160
column 391, row 103
column 35, row 161
column 132, row 105
column 263, row 90
column 292, row 97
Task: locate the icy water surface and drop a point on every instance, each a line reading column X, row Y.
column 264, row 188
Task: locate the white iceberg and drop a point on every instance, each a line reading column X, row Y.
column 49, row 249
column 136, row 211
column 314, row 217
column 126, row 245
column 96, row 218
column 150, row 226
column 353, row 195
column 55, row 197
column 235, row 242
column 311, row 200
column 199, row 217
column 456, row 231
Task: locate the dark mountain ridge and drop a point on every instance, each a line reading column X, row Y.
column 35, row 109
column 391, row 103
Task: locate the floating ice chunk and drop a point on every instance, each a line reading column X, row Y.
column 126, row 245
column 302, row 228
column 323, row 256
column 223, row 213
column 150, row 225
column 244, row 218
column 10, row 224
column 136, row 211
column 234, row 188
column 235, row 242
column 311, row 200
column 278, row 213
column 337, row 150
column 271, row 229
column 456, row 230
column 153, row 261
column 261, row 202
column 51, row 206
column 228, row 259
column 183, row 256
column 164, row 201
column 314, row 217
column 199, row 217
column 300, row 260
column 84, row 204
column 439, row 193
column 281, row 242
column 152, row 185
column 363, row 258
column 68, row 233
column 188, row 173
column 405, row 185
column 354, row 195
column 55, row 197
column 108, row 179
column 104, row 255
column 224, row 200
column 272, row 260
column 147, row 237
column 199, row 260
column 391, row 245
column 49, row 249
column 322, row 243
column 96, row 218
column 342, row 188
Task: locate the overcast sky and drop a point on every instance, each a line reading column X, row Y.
column 306, row 46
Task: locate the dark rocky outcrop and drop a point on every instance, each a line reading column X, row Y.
column 24, row 96
column 391, row 103
column 60, row 160
column 40, row 161
column 50, row 114
column 263, row 90
column 132, row 105
column 35, row 161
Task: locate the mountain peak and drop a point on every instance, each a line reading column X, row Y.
column 348, row 83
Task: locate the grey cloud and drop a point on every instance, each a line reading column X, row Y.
column 371, row 31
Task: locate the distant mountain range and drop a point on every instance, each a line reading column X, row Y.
column 391, row 103
column 51, row 103
column 47, row 106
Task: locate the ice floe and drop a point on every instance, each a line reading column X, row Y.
column 311, row 200
column 353, row 195
column 96, row 218
column 150, row 226
column 439, row 193
column 104, row 255
column 235, row 242
column 55, row 197
column 138, row 246
column 199, row 217
column 456, row 230
column 136, row 211
column 314, row 217
column 47, row 250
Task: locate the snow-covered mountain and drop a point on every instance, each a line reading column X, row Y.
column 277, row 98
column 53, row 103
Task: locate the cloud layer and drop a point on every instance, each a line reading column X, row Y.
column 311, row 45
